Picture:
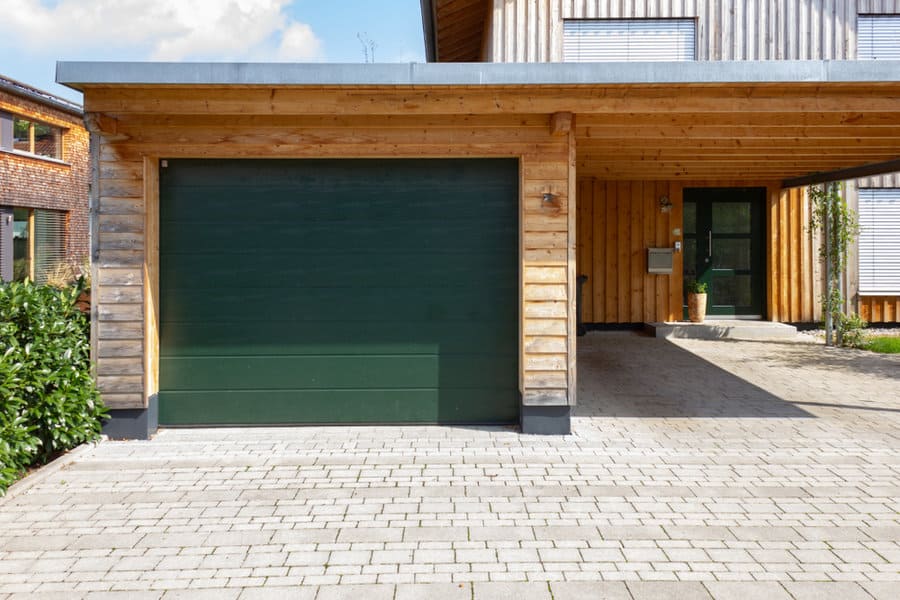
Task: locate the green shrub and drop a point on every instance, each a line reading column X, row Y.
column 49, row 400
column 852, row 328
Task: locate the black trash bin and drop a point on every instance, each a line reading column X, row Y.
column 582, row 330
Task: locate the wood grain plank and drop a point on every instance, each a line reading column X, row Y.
column 598, row 273
column 637, row 252
column 611, row 302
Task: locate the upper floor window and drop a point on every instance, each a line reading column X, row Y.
column 30, row 136
column 879, row 241
column 625, row 40
column 878, row 37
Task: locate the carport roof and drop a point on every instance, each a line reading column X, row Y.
column 697, row 121
column 79, row 75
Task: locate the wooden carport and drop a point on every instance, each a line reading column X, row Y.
column 616, row 136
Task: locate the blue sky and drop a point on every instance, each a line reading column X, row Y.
column 37, row 33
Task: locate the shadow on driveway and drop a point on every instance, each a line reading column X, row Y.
column 628, row 374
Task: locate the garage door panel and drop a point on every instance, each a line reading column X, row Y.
column 214, row 228
column 336, row 337
column 453, row 304
column 297, row 270
column 338, row 291
column 333, row 406
column 338, row 372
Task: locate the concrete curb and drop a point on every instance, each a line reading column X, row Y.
column 35, row 477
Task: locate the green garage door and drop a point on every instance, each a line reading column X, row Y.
column 338, row 291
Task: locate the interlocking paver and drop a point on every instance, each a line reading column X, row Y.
column 826, row 591
column 434, row 591
column 697, row 469
column 271, row 592
column 728, row 590
column 657, row 590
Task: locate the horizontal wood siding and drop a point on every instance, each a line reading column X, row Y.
column 148, row 129
column 726, row 29
column 617, row 222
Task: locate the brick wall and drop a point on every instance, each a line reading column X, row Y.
column 33, row 182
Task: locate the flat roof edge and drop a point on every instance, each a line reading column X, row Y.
column 78, row 75
column 40, row 96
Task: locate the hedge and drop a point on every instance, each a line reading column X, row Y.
column 49, row 400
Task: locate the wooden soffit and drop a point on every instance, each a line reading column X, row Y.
column 642, row 131
column 459, row 27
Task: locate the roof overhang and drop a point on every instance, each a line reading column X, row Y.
column 771, row 121
column 80, row 75
column 24, row 90
column 454, row 29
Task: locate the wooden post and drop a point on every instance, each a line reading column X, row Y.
column 829, row 267
column 836, row 229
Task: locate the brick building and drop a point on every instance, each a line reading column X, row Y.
column 44, row 179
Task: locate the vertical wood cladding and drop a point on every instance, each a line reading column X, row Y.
column 531, row 30
column 617, row 222
column 33, row 182
column 792, row 257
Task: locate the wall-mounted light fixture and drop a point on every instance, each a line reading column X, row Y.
column 665, row 205
column 549, row 200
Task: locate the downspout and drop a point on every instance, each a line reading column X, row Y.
column 428, row 28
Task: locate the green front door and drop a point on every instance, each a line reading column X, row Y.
column 724, row 246
column 338, row 291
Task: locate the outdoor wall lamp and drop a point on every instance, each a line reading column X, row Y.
column 665, row 205
column 549, row 200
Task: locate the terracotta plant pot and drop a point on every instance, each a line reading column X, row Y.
column 696, row 307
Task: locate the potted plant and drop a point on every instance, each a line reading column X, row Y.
column 697, row 301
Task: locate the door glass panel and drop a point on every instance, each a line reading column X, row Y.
column 690, row 257
column 731, row 254
column 690, row 217
column 732, row 291
column 731, row 217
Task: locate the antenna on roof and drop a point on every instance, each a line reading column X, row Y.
column 368, row 46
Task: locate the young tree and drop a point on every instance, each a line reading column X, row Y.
column 839, row 226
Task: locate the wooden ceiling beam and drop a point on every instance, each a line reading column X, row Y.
column 442, row 100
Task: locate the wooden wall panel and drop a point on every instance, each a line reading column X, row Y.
column 617, row 222
column 625, row 220
column 125, row 244
column 793, row 283
column 880, row 309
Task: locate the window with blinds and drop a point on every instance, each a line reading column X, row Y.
column 49, row 242
column 878, row 37
column 629, row 40
column 6, row 243
column 879, row 241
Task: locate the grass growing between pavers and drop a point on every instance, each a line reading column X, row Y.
column 883, row 344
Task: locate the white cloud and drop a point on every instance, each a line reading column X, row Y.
column 298, row 42
column 158, row 29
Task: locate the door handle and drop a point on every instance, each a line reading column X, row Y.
column 709, row 243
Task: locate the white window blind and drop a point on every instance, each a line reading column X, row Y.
column 49, row 242
column 878, row 37
column 879, row 241
column 624, row 40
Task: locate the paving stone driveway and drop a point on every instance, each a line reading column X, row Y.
column 697, row 470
